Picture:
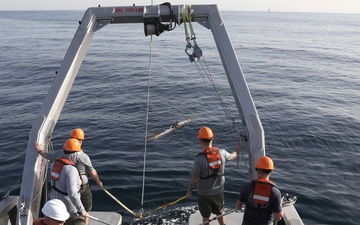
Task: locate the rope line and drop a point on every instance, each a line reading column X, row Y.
column 231, row 125
column 146, row 127
column 165, row 205
column 120, row 203
column 202, row 66
column 96, row 219
column 217, row 217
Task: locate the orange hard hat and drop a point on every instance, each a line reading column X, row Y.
column 265, row 163
column 72, row 145
column 78, row 134
column 205, row 133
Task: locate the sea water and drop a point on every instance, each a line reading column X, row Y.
column 302, row 70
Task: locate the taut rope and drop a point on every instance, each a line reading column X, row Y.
column 146, row 128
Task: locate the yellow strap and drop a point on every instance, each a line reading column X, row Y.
column 112, row 196
column 186, row 11
column 176, row 201
column 191, row 28
column 165, row 205
column 185, row 19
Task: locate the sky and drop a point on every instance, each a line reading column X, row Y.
column 323, row 6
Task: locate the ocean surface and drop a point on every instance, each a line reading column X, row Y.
column 303, row 71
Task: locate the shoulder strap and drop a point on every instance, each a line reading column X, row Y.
column 263, row 181
column 207, row 151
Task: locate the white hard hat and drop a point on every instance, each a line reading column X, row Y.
column 55, row 209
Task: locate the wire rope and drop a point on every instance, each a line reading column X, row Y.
column 146, row 126
column 197, row 54
column 231, row 125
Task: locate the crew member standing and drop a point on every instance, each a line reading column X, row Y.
column 85, row 167
column 66, row 183
column 261, row 197
column 208, row 174
column 83, row 163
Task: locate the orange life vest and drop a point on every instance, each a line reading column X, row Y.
column 56, row 170
column 214, row 160
column 39, row 221
column 262, row 191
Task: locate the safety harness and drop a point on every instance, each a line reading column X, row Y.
column 214, row 161
column 56, row 170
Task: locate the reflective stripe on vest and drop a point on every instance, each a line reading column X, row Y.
column 55, row 175
column 262, row 191
column 215, row 164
